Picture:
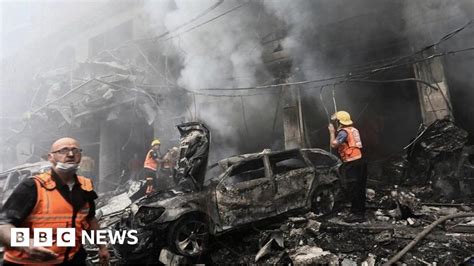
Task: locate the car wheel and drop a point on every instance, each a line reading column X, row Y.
column 324, row 200
column 189, row 236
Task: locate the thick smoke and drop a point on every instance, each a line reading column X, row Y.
column 448, row 15
column 322, row 39
column 222, row 54
column 330, row 38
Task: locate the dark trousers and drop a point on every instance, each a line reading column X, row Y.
column 356, row 177
column 151, row 178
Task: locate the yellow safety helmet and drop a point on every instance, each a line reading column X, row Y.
column 343, row 117
column 155, row 142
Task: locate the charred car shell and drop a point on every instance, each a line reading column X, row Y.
column 12, row 177
column 252, row 187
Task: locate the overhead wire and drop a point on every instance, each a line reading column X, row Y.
column 442, row 39
column 325, row 109
column 162, row 36
column 202, row 14
column 383, row 67
column 340, row 78
column 392, row 81
column 207, row 21
column 322, row 102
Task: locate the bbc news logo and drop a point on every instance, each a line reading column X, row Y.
column 66, row 237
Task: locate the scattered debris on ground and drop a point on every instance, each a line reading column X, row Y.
column 422, row 216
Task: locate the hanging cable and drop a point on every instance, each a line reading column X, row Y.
column 341, row 78
column 325, row 110
column 393, row 81
column 322, row 102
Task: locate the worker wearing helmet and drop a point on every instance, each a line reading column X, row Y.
column 150, row 166
column 348, row 143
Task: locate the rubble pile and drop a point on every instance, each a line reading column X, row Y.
column 437, row 156
column 311, row 239
column 412, row 212
column 395, row 217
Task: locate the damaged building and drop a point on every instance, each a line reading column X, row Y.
column 263, row 77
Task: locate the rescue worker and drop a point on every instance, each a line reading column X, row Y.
column 169, row 163
column 150, row 167
column 348, row 143
column 55, row 199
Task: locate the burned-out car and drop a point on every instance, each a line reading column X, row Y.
column 12, row 177
column 251, row 188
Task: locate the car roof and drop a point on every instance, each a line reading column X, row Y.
column 33, row 167
column 228, row 162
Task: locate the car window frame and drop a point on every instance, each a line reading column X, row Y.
column 227, row 173
column 302, row 157
column 232, row 168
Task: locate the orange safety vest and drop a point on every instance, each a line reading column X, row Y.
column 350, row 150
column 150, row 162
column 52, row 211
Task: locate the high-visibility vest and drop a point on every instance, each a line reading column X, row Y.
column 53, row 211
column 350, row 150
column 150, row 162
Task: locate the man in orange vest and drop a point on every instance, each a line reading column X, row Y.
column 349, row 146
column 56, row 199
column 153, row 157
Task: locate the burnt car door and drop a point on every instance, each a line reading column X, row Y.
column 193, row 153
column 245, row 194
column 293, row 178
column 325, row 164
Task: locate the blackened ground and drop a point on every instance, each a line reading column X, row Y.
column 348, row 242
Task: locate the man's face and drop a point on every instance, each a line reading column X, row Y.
column 156, row 147
column 65, row 150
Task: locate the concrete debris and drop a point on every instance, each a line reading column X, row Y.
column 370, row 261
column 169, row 258
column 297, row 220
column 370, row 193
column 313, row 227
column 348, row 262
column 395, row 214
column 313, row 255
column 439, row 155
column 384, row 237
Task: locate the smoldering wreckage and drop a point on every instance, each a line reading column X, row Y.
column 287, row 206
column 294, row 214
column 270, row 207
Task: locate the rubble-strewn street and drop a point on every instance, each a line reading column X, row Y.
column 255, row 132
column 394, row 219
column 399, row 213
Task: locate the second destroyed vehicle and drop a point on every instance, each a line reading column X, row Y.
column 250, row 188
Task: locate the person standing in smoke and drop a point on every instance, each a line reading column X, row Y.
column 56, row 199
column 348, row 143
column 152, row 160
column 167, row 169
